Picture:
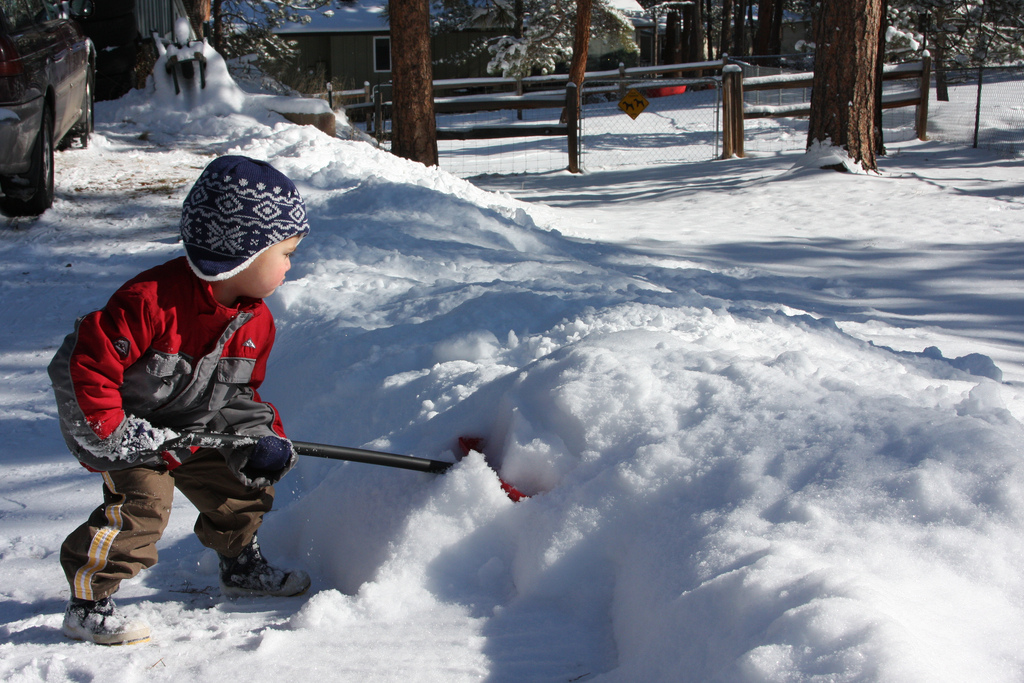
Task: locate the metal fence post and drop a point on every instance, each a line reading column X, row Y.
column 977, row 106
column 378, row 114
column 572, row 122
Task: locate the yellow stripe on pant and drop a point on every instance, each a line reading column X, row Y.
column 99, row 549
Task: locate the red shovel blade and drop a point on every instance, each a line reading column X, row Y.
column 476, row 443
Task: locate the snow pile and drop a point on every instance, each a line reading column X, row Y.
column 724, row 487
column 212, row 101
column 720, row 489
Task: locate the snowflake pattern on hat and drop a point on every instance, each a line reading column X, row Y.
column 237, row 209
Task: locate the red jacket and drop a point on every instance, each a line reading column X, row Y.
column 163, row 349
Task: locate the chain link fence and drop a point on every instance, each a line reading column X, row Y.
column 680, row 121
column 676, row 120
column 790, row 133
column 528, row 154
column 985, row 109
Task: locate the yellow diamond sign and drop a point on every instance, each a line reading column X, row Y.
column 633, row 103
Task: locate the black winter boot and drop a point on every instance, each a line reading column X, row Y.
column 250, row 575
column 100, row 622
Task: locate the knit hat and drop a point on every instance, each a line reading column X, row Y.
column 238, row 208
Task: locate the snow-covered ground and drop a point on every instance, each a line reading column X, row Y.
column 770, row 417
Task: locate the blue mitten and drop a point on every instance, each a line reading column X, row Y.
column 263, row 463
column 270, row 454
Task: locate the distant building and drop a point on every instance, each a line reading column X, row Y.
column 353, row 45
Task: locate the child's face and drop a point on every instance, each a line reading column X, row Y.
column 265, row 274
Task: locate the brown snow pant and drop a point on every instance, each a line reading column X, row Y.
column 119, row 539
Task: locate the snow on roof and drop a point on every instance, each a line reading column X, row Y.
column 627, row 7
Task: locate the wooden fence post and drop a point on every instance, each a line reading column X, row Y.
column 925, row 90
column 730, row 74
column 622, row 80
column 572, row 121
column 737, row 99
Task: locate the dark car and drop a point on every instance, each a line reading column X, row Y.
column 47, row 68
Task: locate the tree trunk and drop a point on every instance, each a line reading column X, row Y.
column 580, row 49
column 775, row 43
column 941, row 84
column 763, row 37
column 580, row 43
column 883, row 25
column 725, row 40
column 708, row 14
column 843, row 96
column 739, row 35
column 694, row 47
column 198, row 12
column 414, row 131
column 218, row 26
column 673, row 38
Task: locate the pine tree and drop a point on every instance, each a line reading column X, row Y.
column 547, row 35
column 844, row 95
column 245, row 27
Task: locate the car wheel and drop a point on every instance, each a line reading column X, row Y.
column 40, row 175
column 86, row 124
column 83, row 127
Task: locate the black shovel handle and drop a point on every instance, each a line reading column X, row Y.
column 320, row 450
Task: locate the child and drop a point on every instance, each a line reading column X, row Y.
column 182, row 348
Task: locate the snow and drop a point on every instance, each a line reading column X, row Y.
column 769, row 416
column 345, row 17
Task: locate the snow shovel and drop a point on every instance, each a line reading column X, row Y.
column 319, row 450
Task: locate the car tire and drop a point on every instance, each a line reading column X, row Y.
column 88, row 123
column 85, row 125
column 40, row 174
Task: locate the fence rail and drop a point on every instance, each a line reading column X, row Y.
column 736, row 111
column 715, row 120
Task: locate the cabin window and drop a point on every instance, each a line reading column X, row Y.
column 382, row 53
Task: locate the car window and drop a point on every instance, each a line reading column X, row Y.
column 23, row 13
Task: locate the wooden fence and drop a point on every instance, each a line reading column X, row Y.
column 735, row 112
column 535, row 92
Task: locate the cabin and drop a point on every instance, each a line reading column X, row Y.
column 351, row 45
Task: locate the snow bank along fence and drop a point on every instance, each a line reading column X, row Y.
column 735, row 111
